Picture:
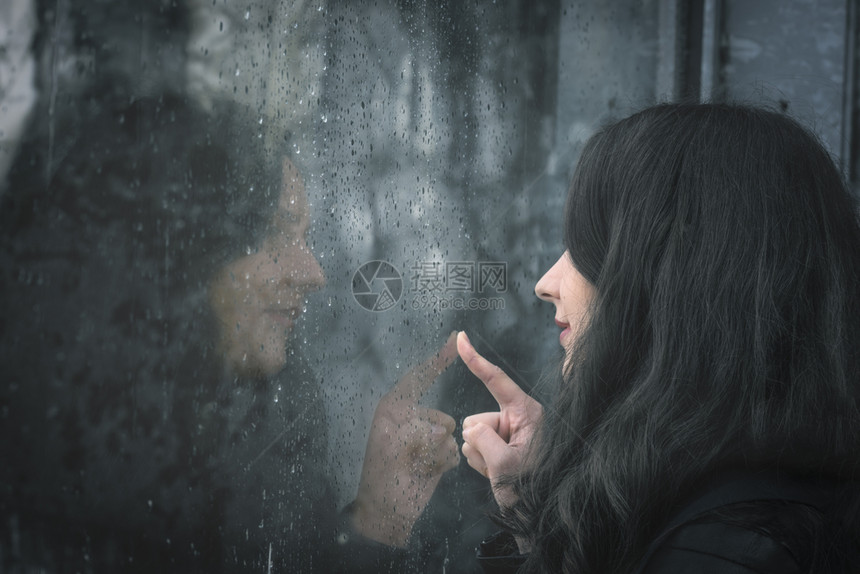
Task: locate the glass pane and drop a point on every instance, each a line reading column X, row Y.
column 229, row 229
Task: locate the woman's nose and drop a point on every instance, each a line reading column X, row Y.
column 314, row 277
column 295, row 266
column 547, row 287
column 308, row 271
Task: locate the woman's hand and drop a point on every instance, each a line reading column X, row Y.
column 408, row 450
column 495, row 443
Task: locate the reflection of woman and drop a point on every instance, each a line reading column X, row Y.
column 708, row 417
column 153, row 417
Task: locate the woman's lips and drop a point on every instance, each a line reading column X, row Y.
column 564, row 333
column 563, row 336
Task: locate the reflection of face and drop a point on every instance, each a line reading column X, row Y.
column 257, row 298
column 571, row 293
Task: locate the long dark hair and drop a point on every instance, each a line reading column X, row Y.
column 110, row 375
column 723, row 245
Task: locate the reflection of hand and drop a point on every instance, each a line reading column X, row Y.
column 495, row 443
column 408, row 450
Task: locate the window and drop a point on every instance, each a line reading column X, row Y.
column 230, row 227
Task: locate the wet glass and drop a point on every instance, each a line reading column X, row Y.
column 231, row 231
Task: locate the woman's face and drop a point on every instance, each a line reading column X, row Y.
column 258, row 297
column 571, row 293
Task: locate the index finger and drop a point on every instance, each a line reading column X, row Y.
column 416, row 382
column 503, row 389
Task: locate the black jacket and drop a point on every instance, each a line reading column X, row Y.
column 742, row 523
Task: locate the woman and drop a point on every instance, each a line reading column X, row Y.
column 708, row 414
column 154, row 416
